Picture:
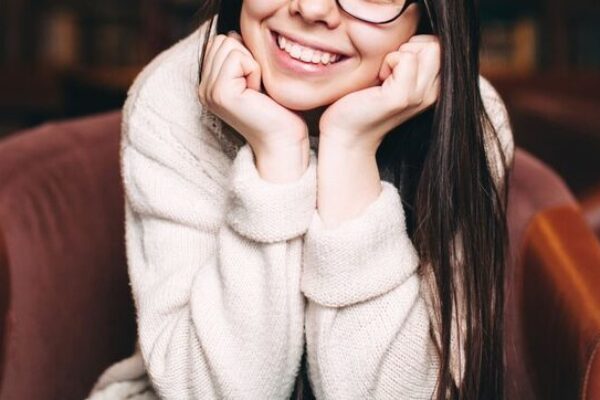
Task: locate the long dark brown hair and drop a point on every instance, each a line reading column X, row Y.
column 442, row 171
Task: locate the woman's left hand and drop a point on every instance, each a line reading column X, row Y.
column 410, row 85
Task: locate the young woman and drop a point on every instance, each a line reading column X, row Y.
column 322, row 179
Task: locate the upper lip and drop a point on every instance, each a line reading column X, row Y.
column 311, row 43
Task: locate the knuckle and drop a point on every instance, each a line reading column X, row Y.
column 393, row 57
column 217, row 95
column 217, row 40
column 236, row 53
column 229, row 40
column 208, row 97
column 416, row 100
column 396, row 101
column 431, row 96
column 233, row 43
column 233, row 55
column 407, row 56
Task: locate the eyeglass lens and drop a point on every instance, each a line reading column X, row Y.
column 376, row 11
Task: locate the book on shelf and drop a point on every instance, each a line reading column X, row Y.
column 509, row 46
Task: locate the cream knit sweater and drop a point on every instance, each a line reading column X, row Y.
column 233, row 276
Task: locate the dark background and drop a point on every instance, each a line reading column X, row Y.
column 67, row 58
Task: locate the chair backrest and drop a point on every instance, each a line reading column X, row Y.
column 66, row 305
column 552, row 313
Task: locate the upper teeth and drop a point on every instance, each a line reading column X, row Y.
column 305, row 54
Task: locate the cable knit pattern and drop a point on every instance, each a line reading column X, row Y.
column 220, row 260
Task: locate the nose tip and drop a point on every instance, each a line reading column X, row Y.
column 316, row 11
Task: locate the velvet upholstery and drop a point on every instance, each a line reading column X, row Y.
column 66, row 311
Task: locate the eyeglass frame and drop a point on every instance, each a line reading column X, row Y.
column 404, row 7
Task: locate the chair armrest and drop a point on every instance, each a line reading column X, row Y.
column 561, row 304
column 590, row 204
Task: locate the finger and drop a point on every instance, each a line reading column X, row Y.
column 430, row 60
column 423, row 38
column 428, row 54
column 241, row 45
column 414, row 47
column 212, row 47
column 404, row 80
column 238, row 38
column 244, row 71
column 388, row 64
column 434, row 91
column 391, row 59
column 235, row 35
column 227, row 46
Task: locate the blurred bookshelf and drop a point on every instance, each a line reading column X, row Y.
column 543, row 57
column 520, row 38
column 64, row 58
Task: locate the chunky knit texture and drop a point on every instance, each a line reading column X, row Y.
column 233, row 275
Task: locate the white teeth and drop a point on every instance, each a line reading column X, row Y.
column 316, row 58
column 282, row 41
column 296, row 51
column 305, row 54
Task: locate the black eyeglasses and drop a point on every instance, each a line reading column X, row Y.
column 379, row 11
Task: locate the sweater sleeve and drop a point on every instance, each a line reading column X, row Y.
column 215, row 283
column 367, row 326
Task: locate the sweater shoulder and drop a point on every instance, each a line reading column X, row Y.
column 170, row 79
column 162, row 109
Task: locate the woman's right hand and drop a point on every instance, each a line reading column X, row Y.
column 231, row 88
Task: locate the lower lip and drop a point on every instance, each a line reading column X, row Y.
column 299, row 66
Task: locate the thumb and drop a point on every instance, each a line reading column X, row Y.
column 251, row 70
column 387, row 67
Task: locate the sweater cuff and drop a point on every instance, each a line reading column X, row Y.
column 266, row 211
column 363, row 257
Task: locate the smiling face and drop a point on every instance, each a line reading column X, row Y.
column 318, row 24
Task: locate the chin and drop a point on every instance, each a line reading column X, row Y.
column 299, row 97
